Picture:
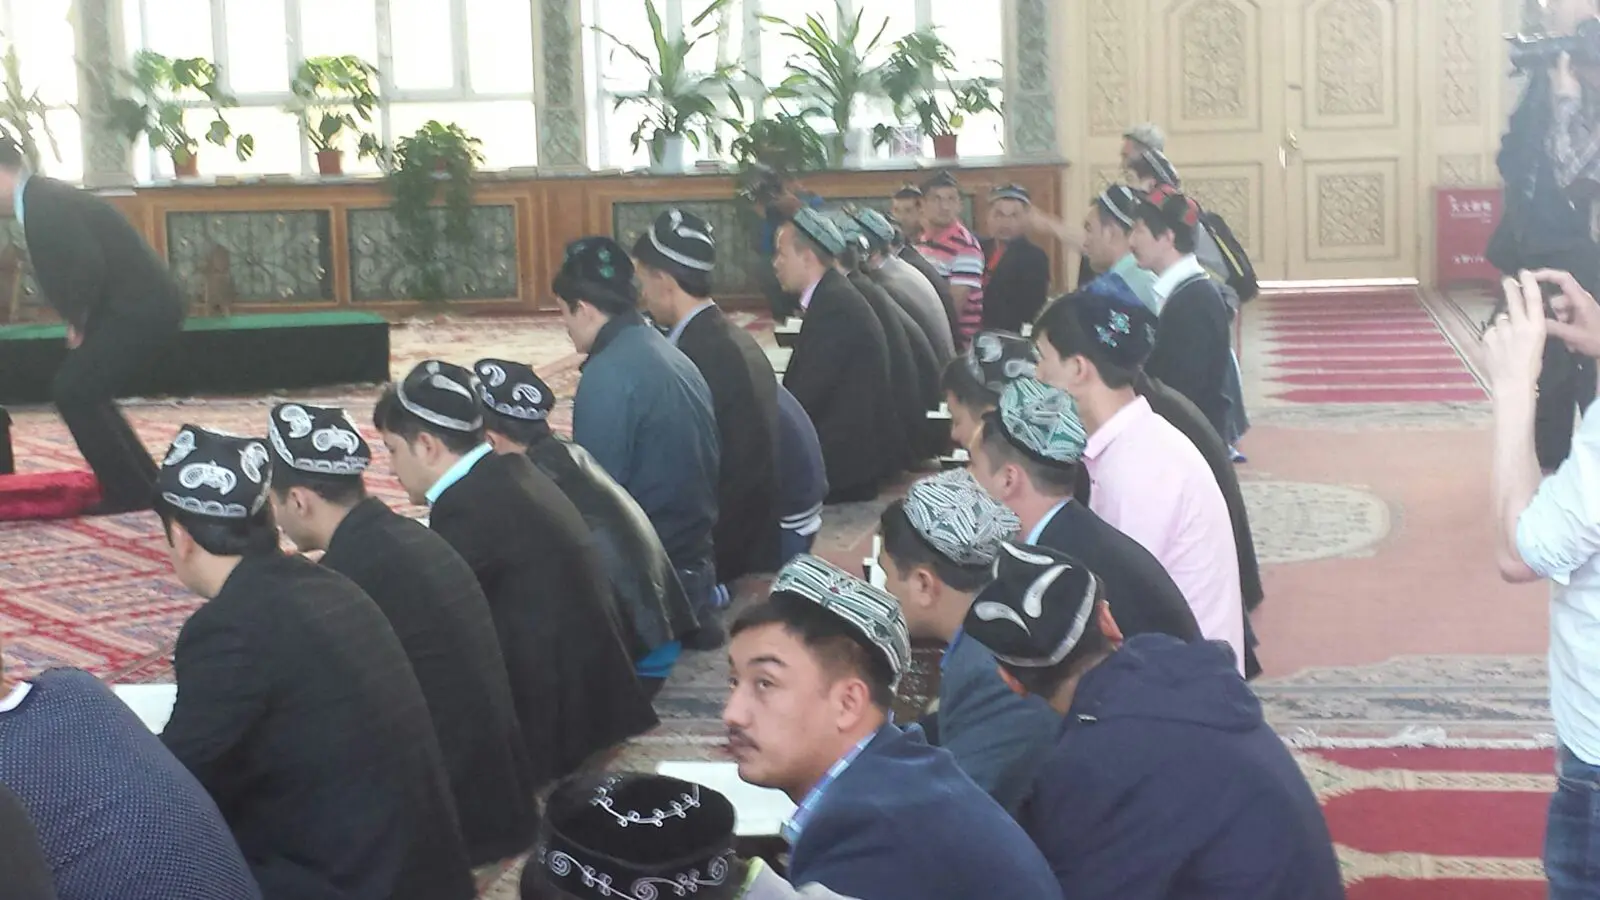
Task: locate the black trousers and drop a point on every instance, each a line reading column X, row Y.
column 116, row 348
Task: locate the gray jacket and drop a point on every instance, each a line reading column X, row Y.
column 913, row 293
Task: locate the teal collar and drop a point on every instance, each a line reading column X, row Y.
column 457, row 472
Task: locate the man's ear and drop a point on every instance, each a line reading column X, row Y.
column 427, row 448
column 182, row 543
column 928, row 586
column 1011, row 681
column 1108, row 625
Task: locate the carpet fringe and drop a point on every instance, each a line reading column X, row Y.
column 1416, row 737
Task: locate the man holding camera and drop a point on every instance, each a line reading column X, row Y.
column 1548, row 151
column 1551, row 529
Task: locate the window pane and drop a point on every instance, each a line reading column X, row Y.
column 506, row 127
column 277, row 137
column 723, row 35
column 775, row 48
column 339, row 28
column 619, row 128
column 42, row 34
column 982, row 134
column 974, row 31
column 178, row 28
column 619, row 69
column 69, row 138
column 422, row 45
column 901, row 16
column 500, row 46
column 258, row 60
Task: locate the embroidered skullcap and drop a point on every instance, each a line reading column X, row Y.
column 874, row 614
column 215, row 475
column 877, row 226
column 847, row 225
column 1041, row 421
column 1121, row 328
column 1120, row 202
column 941, row 179
column 597, row 261
column 1036, row 609
column 820, row 228
column 683, row 238
column 513, row 390
column 1011, row 192
column 1147, row 134
column 319, row 440
column 958, row 519
column 996, row 358
column 1163, row 169
column 442, row 394
column 908, row 191
column 634, row 836
column 1170, row 207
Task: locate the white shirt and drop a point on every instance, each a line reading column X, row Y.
column 1558, row 536
column 1178, row 273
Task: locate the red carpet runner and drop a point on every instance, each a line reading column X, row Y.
column 1379, row 347
column 1426, row 824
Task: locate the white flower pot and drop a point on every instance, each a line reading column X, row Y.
column 674, row 156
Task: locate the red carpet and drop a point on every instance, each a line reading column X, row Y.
column 1360, row 348
column 1426, row 823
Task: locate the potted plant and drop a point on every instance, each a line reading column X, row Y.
column 785, row 142
column 830, row 73
column 680, row 105
column 335, row 94
column 918, row 68
column 22, row 109
column 437, row 162
column 163, row 90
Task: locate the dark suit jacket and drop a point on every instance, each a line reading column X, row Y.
column 744, row 396
column 941, row 284
column 298, row 710
column 89, row 262
column 1142, row 596
column 840, row 373
column 434, row 603
column 654, row 609
column 1191, row 355
column 572, row 678
column 1015, row 290
column 21, row 859
column 916, row 379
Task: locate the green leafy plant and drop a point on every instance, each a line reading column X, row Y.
column 436, row 163
column 679, row 102
column 163, row 89
column 22, row 110
column 830, row 73
column 920, row 65
column 783, row 141
column 336, row 94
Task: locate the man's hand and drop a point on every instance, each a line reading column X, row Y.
column 74, row 338
column 1514, row 344
column 1577, row 321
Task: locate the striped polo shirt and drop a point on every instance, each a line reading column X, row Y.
column 955, row 252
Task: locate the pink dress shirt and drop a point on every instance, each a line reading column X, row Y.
column 1150, row 483
column 805, row 295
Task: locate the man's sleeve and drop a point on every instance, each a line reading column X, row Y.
column 222, row 693
column 988, row 745
column 1560, row 530
column 601, row 424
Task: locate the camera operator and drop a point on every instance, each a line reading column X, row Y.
column 1552, row 530
column 1546, row 149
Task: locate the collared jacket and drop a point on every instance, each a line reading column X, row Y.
column 644, row 411
column 1015, row 285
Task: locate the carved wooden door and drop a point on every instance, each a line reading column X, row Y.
column 1216, row 70
column 1349, row 148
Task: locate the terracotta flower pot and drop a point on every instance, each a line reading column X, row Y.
column 944, row 146
column 186, row 165
column 330, row 162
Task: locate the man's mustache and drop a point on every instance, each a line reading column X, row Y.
column 737, row 738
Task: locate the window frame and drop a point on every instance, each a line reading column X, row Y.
column 389, row 95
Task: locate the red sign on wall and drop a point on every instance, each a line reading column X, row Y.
column 1465, row 219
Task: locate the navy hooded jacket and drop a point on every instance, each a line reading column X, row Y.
column 1167, row 784
column 902, row 822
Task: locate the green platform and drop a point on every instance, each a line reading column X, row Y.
column 223, row 355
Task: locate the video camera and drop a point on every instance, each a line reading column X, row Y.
column 1530, row 52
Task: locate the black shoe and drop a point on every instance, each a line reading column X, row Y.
column 709, row 636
